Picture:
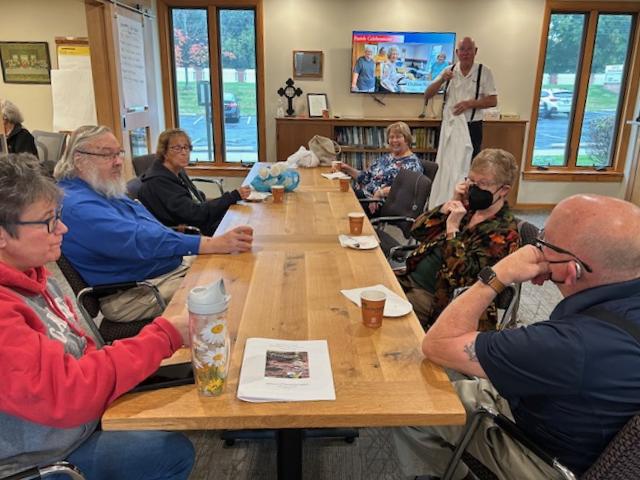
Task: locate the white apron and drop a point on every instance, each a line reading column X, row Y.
column 454, row 154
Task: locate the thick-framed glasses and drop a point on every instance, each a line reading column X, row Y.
column 540, row 242
column 106, row 156
column 51, row 222
column 181, row 148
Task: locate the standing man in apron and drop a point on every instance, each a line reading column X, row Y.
column 468, row 89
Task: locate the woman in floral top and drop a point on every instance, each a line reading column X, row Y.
column 376, row 181
column 473, row 230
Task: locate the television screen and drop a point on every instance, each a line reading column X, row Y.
column 398, row 62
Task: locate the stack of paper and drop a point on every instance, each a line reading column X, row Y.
column 335, row 176
column 285, row 371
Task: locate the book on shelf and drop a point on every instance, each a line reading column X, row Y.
column 375, row 137
column 285, row 371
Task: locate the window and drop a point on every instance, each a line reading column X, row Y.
column 212, row 60
column 585, row 92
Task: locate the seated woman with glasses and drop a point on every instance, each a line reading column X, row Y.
column 375, row 181
column 170, row 195
column 55, row 383
column 473, row 230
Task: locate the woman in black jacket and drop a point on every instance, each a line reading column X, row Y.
column 19, row 140
column 170, row 195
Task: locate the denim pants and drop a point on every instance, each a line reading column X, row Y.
column 149, row 455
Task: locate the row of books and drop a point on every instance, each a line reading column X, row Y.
column 363, row 160
column 374, row 137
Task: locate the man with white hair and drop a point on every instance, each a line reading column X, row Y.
column 114, row 239
column 572, row 382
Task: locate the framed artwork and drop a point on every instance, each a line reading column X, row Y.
column 317, row 103
column 307, row 63
column 25, row 62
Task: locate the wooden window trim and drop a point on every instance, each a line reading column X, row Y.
column 615, row 173
column 167, row 72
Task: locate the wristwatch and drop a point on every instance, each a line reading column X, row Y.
column 488, row 276
column 452, row 235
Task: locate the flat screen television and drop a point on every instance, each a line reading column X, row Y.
column 398, row 62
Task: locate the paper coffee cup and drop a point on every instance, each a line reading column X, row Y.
column 356, row 221
column 335, row 165
column 344, row 184
column 372, row 306
column 278, row 193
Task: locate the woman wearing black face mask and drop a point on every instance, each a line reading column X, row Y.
column 472, row 230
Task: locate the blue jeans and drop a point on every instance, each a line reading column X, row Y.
column 134, row 456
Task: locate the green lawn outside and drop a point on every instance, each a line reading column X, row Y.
column 598, row 98
column 245, row 95
column 548, row 160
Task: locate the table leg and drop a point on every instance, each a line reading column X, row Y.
column 290, row 453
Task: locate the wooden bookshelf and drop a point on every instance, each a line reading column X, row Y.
column 360, row 137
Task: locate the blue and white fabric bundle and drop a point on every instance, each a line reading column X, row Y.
column 277, row 174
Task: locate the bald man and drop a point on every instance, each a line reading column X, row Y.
column 461, row 80
column 570, row 382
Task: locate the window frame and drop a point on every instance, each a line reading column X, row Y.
column 217, row 166
column 629, row 93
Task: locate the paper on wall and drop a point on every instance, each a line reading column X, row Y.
column 73, row 99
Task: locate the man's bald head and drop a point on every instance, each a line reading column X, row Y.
column 602, row 231
column 467, row 42
column 466, row 51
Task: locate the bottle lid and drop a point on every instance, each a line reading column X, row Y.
column 208, row 299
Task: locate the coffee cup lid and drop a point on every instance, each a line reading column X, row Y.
column 207, row 299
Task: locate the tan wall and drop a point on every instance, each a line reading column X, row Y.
column 507, row 33
column 38, row 21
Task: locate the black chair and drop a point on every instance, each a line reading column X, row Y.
column 619, row 460
column 506, row 301
column 88, row 300
column 57, row 468
column 407, row 199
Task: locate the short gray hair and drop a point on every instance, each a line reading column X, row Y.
column 498, row 163
column 22, row 183
column 11, row 113
column 66, row 167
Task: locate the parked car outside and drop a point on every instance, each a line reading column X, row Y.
column 231, row 108
column 554, row 101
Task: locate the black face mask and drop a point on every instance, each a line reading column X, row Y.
column 479, row 199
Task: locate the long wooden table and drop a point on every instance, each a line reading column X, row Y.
column 288, row 287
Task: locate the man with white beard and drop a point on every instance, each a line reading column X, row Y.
column 114, row 239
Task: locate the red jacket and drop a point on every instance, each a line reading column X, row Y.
column 43, row 384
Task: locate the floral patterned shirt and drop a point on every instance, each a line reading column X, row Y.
column 464, row 256
column 383, row 172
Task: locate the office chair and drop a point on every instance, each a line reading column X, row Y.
column 407, row 198
column 57, row 468
column 87, row 298
column 508, row 301
column 618, row 461
column 142, row 163
column 51, row 144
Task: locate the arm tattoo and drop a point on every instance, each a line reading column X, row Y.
column 470, row 350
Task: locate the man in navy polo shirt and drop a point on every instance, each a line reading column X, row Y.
column 571, row 382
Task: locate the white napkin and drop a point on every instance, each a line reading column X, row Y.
column 395, row 306
column 335, row 176
column 365, row 242
column 257, row 196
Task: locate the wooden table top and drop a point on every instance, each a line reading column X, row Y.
column 288, row 287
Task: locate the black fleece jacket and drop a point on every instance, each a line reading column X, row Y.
column 174, row 200
column 21, row 141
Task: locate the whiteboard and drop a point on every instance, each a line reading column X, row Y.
column 132, row 65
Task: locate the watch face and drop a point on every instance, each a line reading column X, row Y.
column 486, row 274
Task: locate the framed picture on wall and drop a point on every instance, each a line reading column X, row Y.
column 307, row 63
column 25, row 62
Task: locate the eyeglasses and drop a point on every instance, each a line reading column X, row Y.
column 181, row 148
column 51, row 222
column 540, row 242
column 106, row 156
column 481, row 184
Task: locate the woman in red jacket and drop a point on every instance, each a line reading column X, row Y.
column 55, row 383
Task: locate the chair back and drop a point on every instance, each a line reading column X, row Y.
column 50, row 145
column 528, row 232
column 620, row 459
column 133, row 188
column 408, row 195
column 89, row 303
column 429, row 168
column 142, row 163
